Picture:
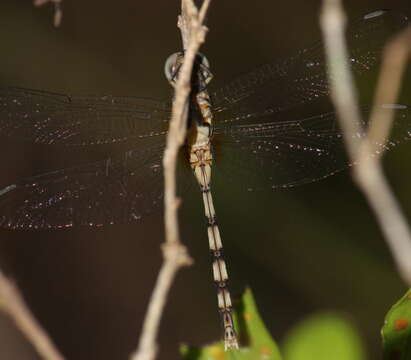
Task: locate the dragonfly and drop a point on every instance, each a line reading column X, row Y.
column 250, row 130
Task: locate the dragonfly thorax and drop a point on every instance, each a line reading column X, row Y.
column 199, row 144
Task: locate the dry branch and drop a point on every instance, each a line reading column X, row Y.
column 12, row 303
column 368, row 173
column 175, row 254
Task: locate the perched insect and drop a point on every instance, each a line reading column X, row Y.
column 252, row 122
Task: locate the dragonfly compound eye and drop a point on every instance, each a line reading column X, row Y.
column 174, row 62
column 204, row 67
column 203, row 60
column 172, row 66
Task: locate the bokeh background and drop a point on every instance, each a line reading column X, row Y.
column 313, row 248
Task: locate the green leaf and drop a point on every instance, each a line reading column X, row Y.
column 396, row 330
column 255, row 340
column 325, row 336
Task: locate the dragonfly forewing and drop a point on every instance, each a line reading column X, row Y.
column 283, row 154
column 51, row 118
column 302, row 80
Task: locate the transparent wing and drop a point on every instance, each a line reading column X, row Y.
column 289, row 153
column 302, row 80
column 116, row 190
column 49, row 118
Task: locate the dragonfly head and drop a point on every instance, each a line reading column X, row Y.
column 201, row 74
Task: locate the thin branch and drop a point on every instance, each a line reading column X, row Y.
column 395, row 58
column 58, row 12
column 368, row 173
column 175, row 253
column 12, row 303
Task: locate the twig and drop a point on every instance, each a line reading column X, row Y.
column 175, row 253
column 12, row 303
column 58, row 12
column 368, row 173
column 395, row 57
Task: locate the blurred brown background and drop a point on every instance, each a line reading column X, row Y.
column 313, row 248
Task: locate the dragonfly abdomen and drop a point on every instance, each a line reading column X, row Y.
column 200, row 160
